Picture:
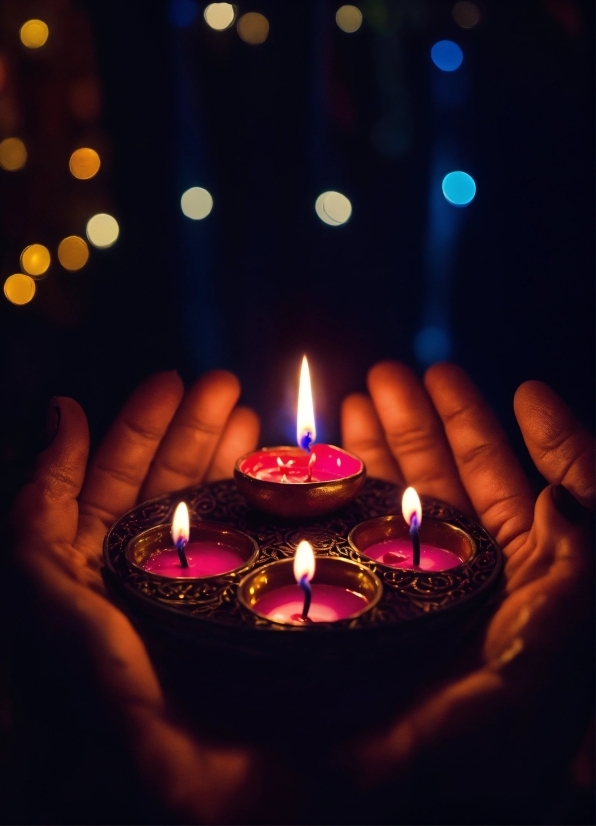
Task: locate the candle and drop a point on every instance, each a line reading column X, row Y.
column 387, row 540
column 208, row 549
column 412, row 512
column 337, row 589
column 307, row 480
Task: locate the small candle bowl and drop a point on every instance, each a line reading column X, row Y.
column 342, row 574
column 159, row 538
column 432, row 532
column 301, row 499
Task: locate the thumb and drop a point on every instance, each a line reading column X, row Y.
column 47, row 506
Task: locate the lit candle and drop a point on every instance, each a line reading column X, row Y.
column 412, row 513
column 204, row 549
column 323, row 477
column 341, row 589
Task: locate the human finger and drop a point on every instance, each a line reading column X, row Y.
column 498, row 489
column 560, row 446
column 415, row 434
column 240, row 436
column 363, row 435
column 192, row 438
column 124, row 457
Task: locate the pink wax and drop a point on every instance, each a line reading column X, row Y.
column 329, row 603
column 204, row 559
column 397, row 553
column 291, row 465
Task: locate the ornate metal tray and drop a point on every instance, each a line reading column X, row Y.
column 208, row 612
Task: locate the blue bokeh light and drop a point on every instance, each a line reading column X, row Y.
column 432, row 344
column 459, row 188
column 446, row 55
column 182, row 13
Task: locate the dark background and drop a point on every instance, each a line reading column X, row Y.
column 266, row 129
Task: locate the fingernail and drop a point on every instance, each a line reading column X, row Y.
column 567, row 505
column 52, row 421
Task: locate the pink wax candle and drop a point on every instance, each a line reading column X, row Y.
column 329, row 603
column 397, row 553
column 206, row 558
column 292, row 465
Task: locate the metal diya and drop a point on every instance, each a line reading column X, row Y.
column 210, row 612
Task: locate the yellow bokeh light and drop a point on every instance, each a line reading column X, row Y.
column 348, row 18
column 253, row 28
column 19, row 288
column 35, row 259
column 196, row 203
column 102, row 230
column 73, row 253
column 34, row 34
column 333, row 208
column 466, row 15
column 84, row 163
column 13, row 154
column 219, row 16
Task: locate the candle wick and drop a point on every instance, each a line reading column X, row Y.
column 305, row 585
column 306, row 441
column 180, row 544
column 415, row 541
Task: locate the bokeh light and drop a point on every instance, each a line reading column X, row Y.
column 35, row 259
column 84, row 163
column 196, row 203
column 348, row 18
column 219, row 16
column 446, row 55
column 459, row 188
column 182, row 13
column 19, row 288
column 13, row 154
column 253, row 28
column 102, row 230
column 34, row 34
column 73, row 253
column 432, row 344
column 333, row 208
column 465, row 14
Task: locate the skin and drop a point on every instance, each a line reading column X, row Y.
column 440, row 437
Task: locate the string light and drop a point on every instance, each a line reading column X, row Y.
column 348, row 18
column 446, row 55
column 459, row 188
column 34, row 34
column 19, row 288
column 73, row 253
column 253, row 28
column 219, row 16
column 13, row 154
column 84, row 163
column 196, row 203
column 35, row 259
column 102, row 230
column 333, row 208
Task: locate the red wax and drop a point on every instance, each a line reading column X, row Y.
column 329, row 603
column 204, row 559
column 397, row 553
column 292, row 464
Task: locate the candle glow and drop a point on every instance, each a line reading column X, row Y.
column 181, row 531
column 305, row 420
column 304, row 570
column 411, row 507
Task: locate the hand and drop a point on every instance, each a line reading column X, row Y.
column 163, row 440
column 498, row 738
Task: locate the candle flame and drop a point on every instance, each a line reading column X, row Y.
column 304, row 561
column 305, row 420
column 411, row 507
column 180, row 524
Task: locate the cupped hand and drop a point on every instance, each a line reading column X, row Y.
column 499, row 735
column 163, row 440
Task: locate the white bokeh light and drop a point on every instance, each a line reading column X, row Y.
column 196, row 203
column 219, row 16
column 102, row 230
column 333, row 208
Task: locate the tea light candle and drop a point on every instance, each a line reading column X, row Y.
column 209, row 549
column 308, row 480
column 340, row 589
